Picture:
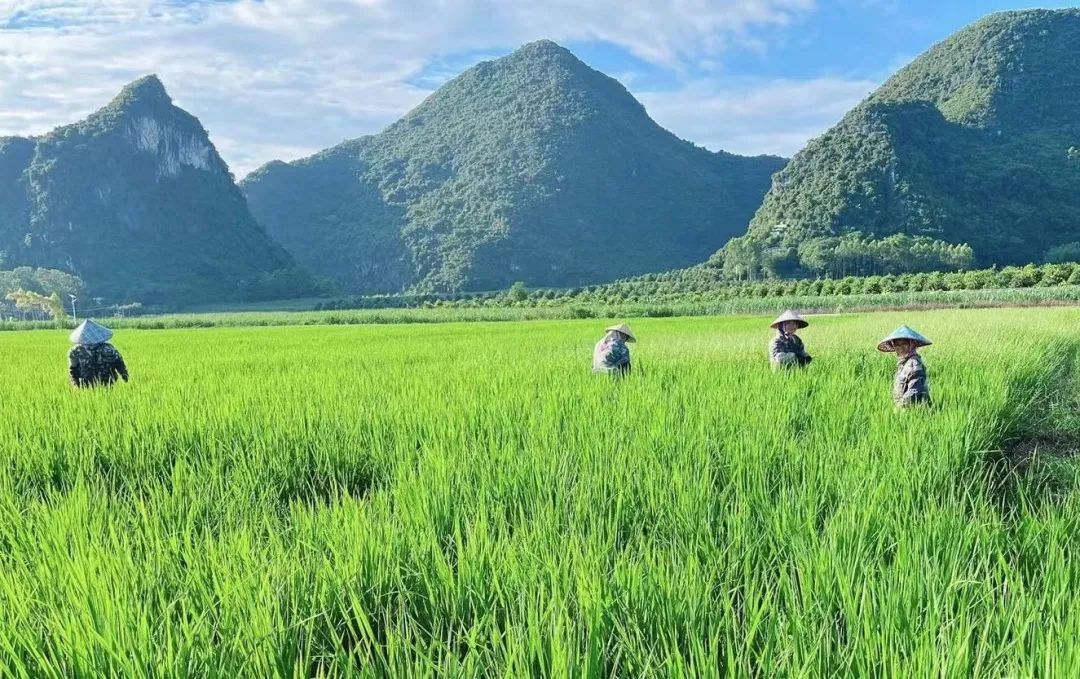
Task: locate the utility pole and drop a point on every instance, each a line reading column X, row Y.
column 74, row 316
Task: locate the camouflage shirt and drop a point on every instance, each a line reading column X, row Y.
column 611, row 356
column 788, row 344
column 911, row 385
column 95, row 364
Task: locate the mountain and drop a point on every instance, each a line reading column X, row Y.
column 532, row 167
column 974, row 142
column 137, row 202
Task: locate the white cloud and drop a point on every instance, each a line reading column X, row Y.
column 776, row 116
column 283, row 78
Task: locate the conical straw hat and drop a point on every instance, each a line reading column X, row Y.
column 789, row 315
column 624, row 329
column 90, row 332
column 903, row 332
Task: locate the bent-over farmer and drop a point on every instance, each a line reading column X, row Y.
column 93, row 361
column 611, row 354
column 786, row 349
column 911, row 385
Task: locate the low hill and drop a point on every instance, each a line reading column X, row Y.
column 531, row 167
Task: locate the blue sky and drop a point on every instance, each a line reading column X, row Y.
column 281, row 79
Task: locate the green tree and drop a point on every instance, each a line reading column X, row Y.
column 1067, row 252
column 27, row 300
column 517, row 292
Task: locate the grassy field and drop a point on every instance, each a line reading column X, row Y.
column 468, row 500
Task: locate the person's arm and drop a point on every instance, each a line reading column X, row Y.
column 779, row 352
column 598, row 358
column 620, row 355
column 73, row 369
column 120, row 367
column 803, row 354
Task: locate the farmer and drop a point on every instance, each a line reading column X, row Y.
column 93, row 361
column 911, row 386
column 786, row 349
column 611, row 354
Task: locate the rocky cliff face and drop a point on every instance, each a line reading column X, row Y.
column 175, row 148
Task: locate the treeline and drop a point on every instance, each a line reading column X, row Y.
column 37, row 294
column 852, row 254
column 41, row 281
column 1037, row 296
column 707, row 283
column 411, row 301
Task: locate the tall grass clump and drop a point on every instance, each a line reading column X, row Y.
column 467, row 500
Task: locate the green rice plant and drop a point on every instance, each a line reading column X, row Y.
column 466, row 499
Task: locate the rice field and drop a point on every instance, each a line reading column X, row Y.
column 468, row 500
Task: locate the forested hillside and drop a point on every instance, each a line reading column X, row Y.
column 976, row 142
column 532, row 167
column 136, row 201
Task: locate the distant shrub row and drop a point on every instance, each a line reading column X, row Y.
column 706, row 283
column 697, row 282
